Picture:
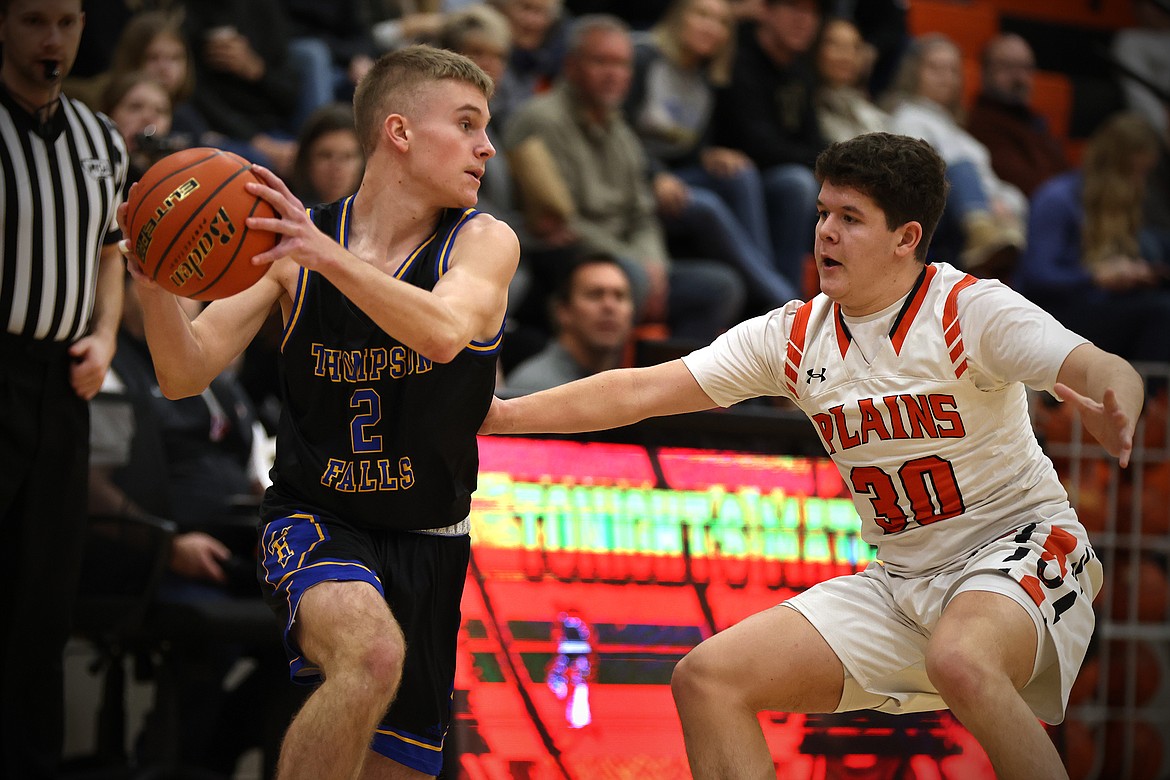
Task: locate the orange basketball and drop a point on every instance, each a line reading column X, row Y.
column 186, row 224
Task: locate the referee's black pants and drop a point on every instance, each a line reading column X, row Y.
column 44, row 468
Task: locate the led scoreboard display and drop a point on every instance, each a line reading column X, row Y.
column 596, row 566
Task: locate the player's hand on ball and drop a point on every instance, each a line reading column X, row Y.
column 1105, row 420
column 133, row 264
column 300, row 240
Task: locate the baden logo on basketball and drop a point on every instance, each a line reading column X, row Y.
column 218, row 233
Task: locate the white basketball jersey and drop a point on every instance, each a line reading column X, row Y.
column 937, row 449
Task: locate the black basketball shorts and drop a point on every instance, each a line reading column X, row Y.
column 421, row 577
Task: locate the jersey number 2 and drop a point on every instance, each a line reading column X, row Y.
column 367, row 401
column 929, row 483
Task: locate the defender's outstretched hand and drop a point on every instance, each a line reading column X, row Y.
column 1106, row 420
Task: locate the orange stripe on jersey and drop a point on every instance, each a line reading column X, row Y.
column 950, row 324
column 843, row 337
column 1034, row 589
column 1057, row 547
column 951, row 307
column 898, row 337
column 796, row 339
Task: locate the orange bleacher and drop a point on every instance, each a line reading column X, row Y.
column 1052, row 98
column 972, row 23
column 971, row 18
column 969, row 24
column 1108, row 14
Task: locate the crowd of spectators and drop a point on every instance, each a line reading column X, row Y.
column 658, row 172
column 681, row 145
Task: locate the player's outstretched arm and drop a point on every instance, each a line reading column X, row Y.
column 610, row 399
column 1107, row 393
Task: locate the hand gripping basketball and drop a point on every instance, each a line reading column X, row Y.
column 186, row 224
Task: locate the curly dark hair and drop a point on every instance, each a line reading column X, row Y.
column 904, row 176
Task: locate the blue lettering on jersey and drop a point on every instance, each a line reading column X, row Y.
column 368, row 476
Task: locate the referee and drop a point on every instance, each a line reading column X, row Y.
column 63, row 169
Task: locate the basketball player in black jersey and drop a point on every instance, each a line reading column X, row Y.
column 393, row 303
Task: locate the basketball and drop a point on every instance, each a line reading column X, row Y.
column 186, row 224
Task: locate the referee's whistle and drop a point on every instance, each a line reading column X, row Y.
column 52, row 69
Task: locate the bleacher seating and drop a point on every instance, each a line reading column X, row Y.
column 1052, row 98
column 1108, row 14
column 969, row 24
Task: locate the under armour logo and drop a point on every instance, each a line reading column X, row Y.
column 814, row 375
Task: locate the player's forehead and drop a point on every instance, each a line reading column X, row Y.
column 843, row 197
column 449, row 96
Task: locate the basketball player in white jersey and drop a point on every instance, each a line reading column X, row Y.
column 914, row 375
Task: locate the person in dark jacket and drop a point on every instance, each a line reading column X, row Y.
column 767, row 112
column 1024, row 151
column 245, row 83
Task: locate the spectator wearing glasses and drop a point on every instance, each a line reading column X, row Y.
column 1024, row 151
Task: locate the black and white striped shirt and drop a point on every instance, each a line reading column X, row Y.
column 62, row 181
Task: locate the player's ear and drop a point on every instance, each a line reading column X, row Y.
column 908, row 237
column 397, row 129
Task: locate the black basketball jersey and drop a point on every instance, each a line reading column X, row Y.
column 371, row 432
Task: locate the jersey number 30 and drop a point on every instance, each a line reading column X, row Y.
column 928, row 483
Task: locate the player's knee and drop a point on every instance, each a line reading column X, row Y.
column 695, row 678
column 381, row 662
column 368, row 666
column 959, row 674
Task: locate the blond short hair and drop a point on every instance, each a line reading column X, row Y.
column 393, row 83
